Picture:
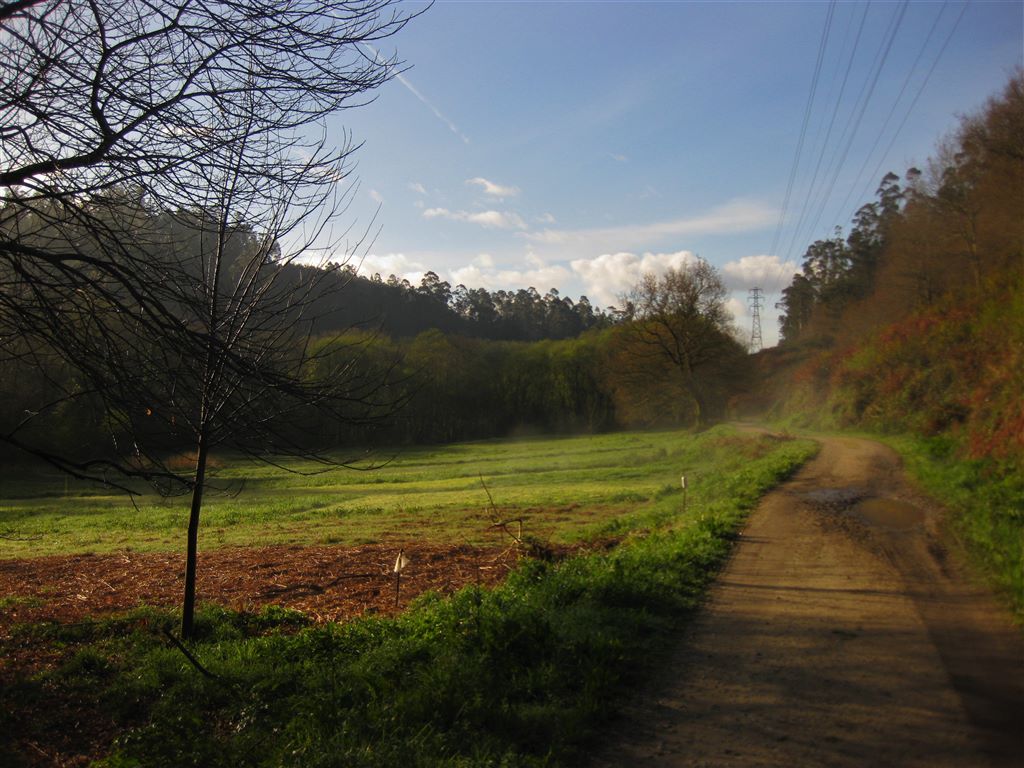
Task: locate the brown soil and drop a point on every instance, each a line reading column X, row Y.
column 328, row 583
column 842, row 633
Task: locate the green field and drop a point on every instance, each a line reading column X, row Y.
column 521, row 675
column 564, row 489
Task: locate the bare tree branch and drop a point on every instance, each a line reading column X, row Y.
column 166, row 175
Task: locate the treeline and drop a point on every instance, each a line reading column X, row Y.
column 837, row 273
column 401, row 309
column 914, row 321
column 459, row 388
column 440, row 364
column 450, row 388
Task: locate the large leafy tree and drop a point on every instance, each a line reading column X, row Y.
column 678, row 322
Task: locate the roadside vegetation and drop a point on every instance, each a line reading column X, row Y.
column 519, row 675
column 987, row 507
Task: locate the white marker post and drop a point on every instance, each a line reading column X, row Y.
column 400, row 562
column 683, row 481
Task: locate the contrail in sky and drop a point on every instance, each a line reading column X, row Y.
column 412, row 89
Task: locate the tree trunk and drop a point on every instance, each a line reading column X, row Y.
column 700, row 422
column 189, row 603
column 693, row 388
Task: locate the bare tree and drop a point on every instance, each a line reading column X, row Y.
column 680, row 319
column 165, row 166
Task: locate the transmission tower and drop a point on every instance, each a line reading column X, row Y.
column 754, row 299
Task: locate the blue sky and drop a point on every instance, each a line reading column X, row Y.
column 573, row 145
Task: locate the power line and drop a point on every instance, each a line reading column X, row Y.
column 913, row 103
column 892, row 109
column 832, row 122
column 817, row 199
column 803, row 128
column 860, row 109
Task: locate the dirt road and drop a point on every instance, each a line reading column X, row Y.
column 842, row 633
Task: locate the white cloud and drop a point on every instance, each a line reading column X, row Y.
column 734, row 216
column 618, row 158
column 768, row 272
column 471, row 276
column 608, row 276
column 739, row 311
column 416, row 187
column 392, row 264
column 542, row 277
column 376, row 196
column 489, row 219
column 545, row 218
column 497, row 219
column 492, row 189
column 482, row 272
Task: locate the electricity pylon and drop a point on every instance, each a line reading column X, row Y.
column 754, row 299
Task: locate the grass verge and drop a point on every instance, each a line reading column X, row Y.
column 522, row 675
column 987, row 505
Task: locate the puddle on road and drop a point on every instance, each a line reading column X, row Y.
column 835, row 498
column 889, row 513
